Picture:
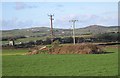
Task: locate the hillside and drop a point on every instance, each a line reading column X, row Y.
column 45, row 31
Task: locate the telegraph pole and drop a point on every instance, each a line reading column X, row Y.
column 51, row 25
column 73, row 21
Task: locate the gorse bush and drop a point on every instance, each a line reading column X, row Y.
column 56, row 43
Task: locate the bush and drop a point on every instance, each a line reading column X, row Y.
column 106, row 37
column 56, row 43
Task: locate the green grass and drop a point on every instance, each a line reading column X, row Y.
column 60, row 65
column 14, row 51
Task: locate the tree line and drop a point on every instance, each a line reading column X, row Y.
column 106, row 37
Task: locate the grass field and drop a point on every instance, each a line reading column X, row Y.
column 16, row 64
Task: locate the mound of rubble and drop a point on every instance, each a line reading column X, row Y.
column 83, row 48
column 76, row 49
column 36, row 50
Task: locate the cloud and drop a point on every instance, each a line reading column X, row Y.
column 23, row 5
column 109, row 19
column 81, row 18
column 60, row 6
column 16, row 24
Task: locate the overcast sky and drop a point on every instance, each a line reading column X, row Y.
column 17, row 15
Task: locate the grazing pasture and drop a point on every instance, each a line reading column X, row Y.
column 17, row 64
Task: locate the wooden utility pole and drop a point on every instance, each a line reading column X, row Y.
column 73, row 21
column 51, row 25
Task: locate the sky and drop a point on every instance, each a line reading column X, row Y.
column 19, row 15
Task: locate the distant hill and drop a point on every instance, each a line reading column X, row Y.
column 96, row 29
column 45, row 31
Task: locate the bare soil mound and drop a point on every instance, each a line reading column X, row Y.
column 83, row 48
column 76, row 49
